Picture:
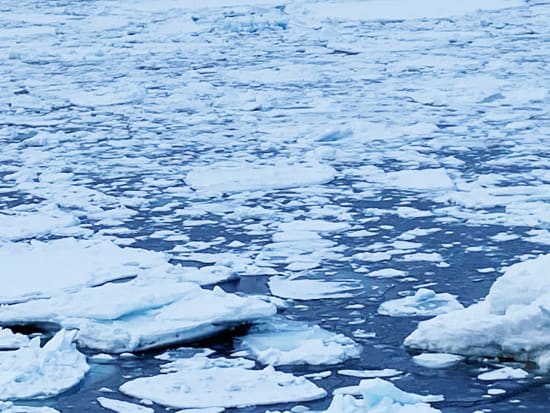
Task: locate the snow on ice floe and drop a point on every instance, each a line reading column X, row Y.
column 311, row 289
column 201, row 382
column 35, row 372
column 283, row 342
column 67, row 264
column 424, row 302
column 282, row 175
column 379, row 396
column 120, row 406
column 512, row 321
column 418, row 180
column 126, row 317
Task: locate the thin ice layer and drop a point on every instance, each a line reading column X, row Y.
column 201, row 382
column 36, row 372
column 512, row 321
column 284, row 342
column 379, row 396
column 119, row 317
column 310, row 289
column 424, row 302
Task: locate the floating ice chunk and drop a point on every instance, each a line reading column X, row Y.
column 283, row 342
column 203, row 383
column 369, row 374
column 424, row 302
column 437, row 360
column 126, row 317
column 120, row 406
column 107, row 96
column 35, row 371
column 9, row 407
column 423, row 256
column 205, row 410
column 387, row 273
column 512, row 321
column 307, row 289
column 10, row 340
column 379, row 396
column 408, row 212
column 258, row 177
column 504, row 373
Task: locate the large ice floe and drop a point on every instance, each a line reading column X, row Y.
column 281, row 342
column 35, row 372
column 513, row 321
column 380, row 396
column 202, row 382
column 140, row 315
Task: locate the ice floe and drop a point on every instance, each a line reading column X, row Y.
column 252, row 177
column 512, row 321
column 10, row 340
column 437, row 360
column 282, row 342
column 120, row 406
column 504, row 373
column 424, row 302
column 201, row 382
column 126, row 317
column 33, row 371
column 9, row 407
column 369, row 374
column 379, row 396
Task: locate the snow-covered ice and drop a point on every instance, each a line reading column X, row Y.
column 512, row 321
column 200, row 382
column 33, row 371
column 282, row 342
column 424, row 302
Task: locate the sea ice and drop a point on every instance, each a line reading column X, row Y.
column 379, row 396
column 126, row 317
column 309, row 289
column 120, row 406
column 9, row 407
column 437, row 360
column 369, row 374
column 241, row 178
column 283, row 342
column 10, row 340
column 504, row 373
column 424, row 302
column 416, row 180
column 512, row 321
column 200, row 382
column 36, row 372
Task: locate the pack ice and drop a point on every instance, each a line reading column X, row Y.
column 513, row 321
